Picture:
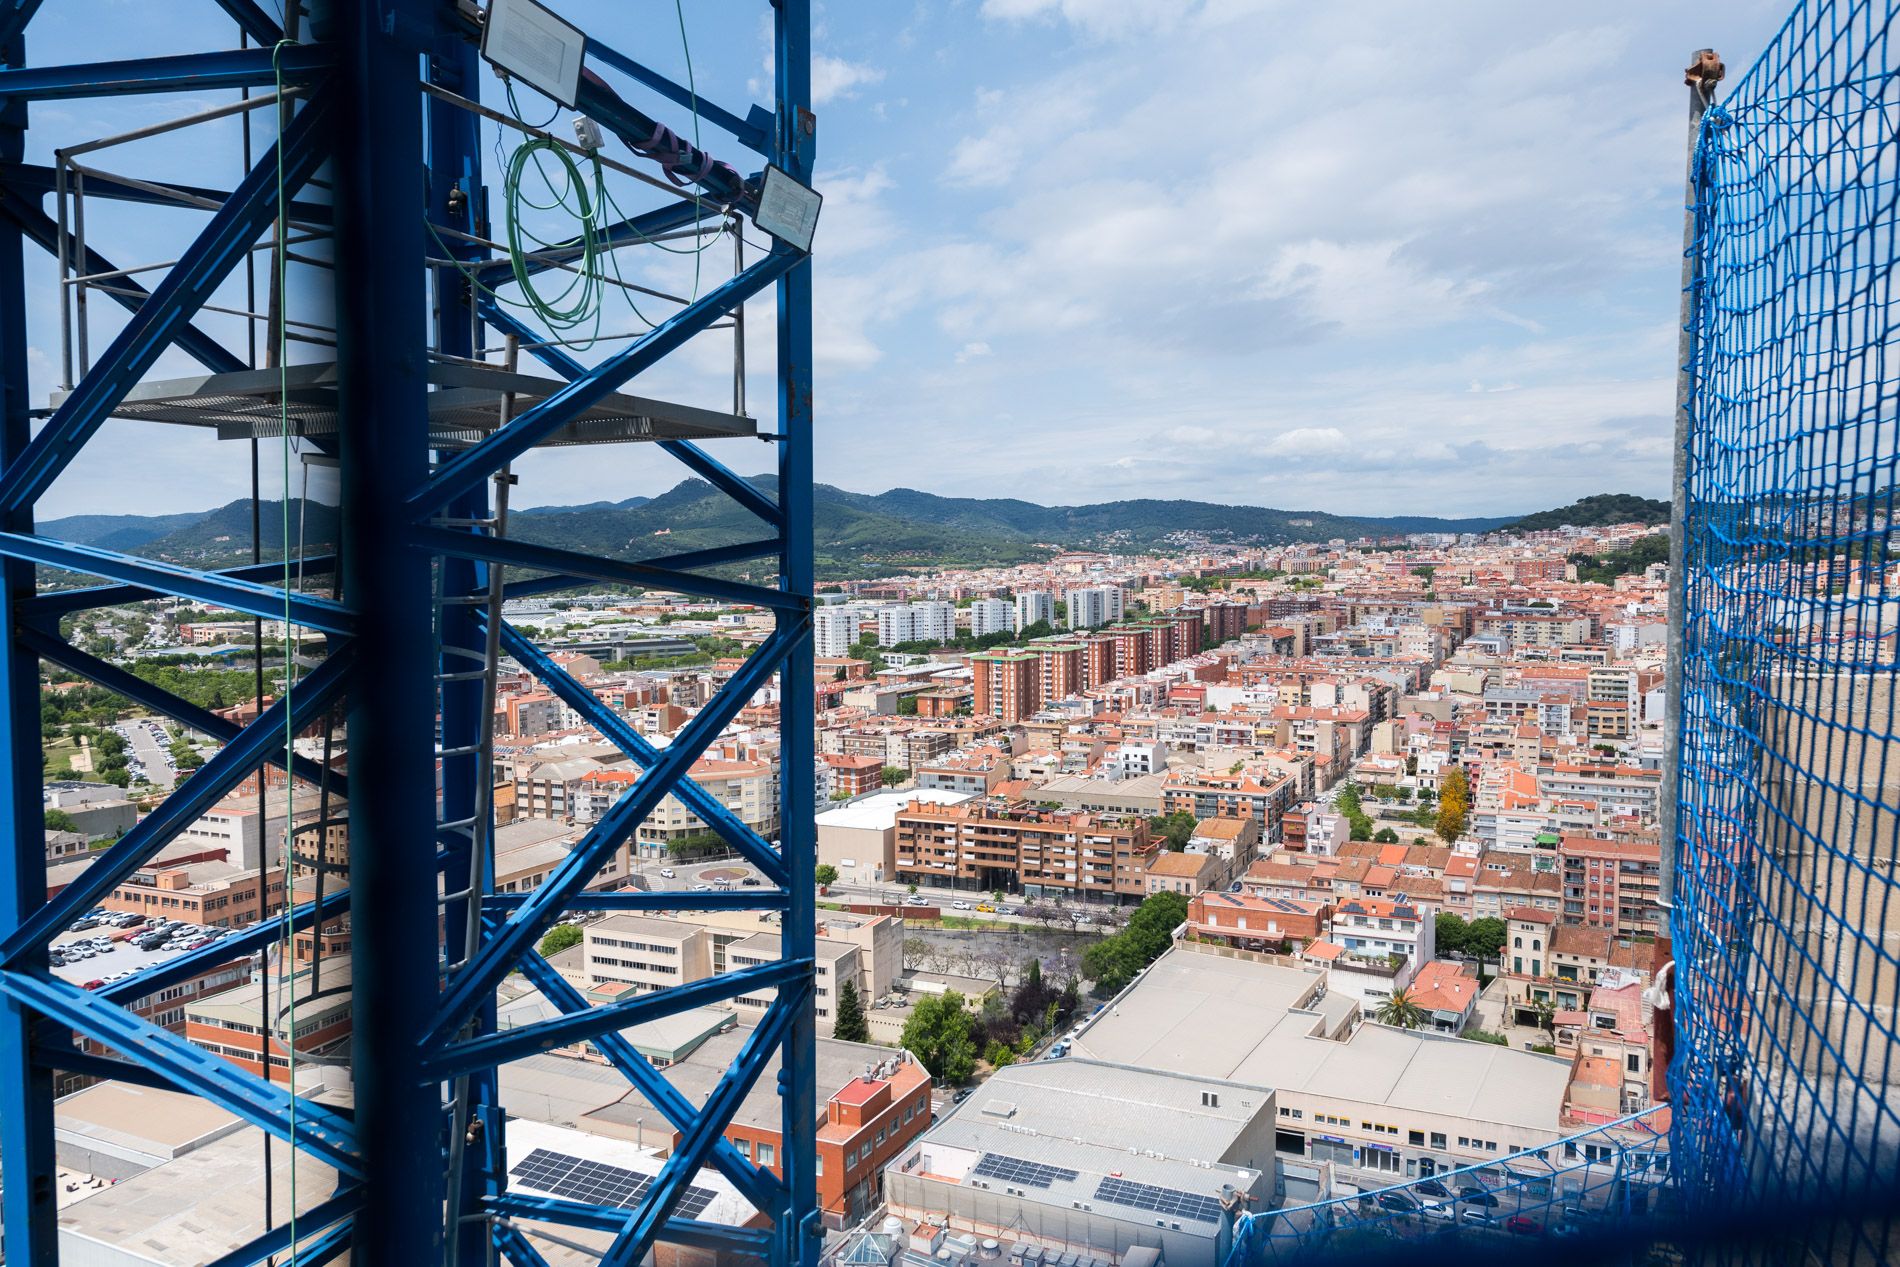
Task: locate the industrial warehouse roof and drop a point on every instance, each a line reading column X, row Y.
column 1207, row 1014
column 1094, row 1124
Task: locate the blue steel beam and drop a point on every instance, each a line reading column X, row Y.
column 178, row 811
column 753, row 138
column 522, row 554
column 148, row 981
column 476, row 463
column 696, row 459
column 51, row 1055
column 281, row 1237
column 467, row 987
column 49, row 606
column 794, row 145
column 660, row 1199
column 723, row 184
column 758, row 1185
column 713, row 556
column 617, row 731
column 185, row 72
column 521, row 1041
column 27, row 1157
column 137, row 689
column 188, row 284
column 33, row 180
column 515, row 1246
column 213, row 588
column 318, row 1130
column 125, row 291
column 253, row 21
column 718, row 1237
column 759, row 899
column 383, row 325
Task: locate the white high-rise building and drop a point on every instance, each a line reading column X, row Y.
column 834, row 630
column 916, row 622
column 1096, row 605
column 1034, row 606
column 992, row 615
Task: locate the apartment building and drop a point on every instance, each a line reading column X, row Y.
column 1616, row 789
column 1034, row 606
column 225, row 1022
column 1094, row 605
column 834, row 630
column 916, row 622
column 996, row 843
column 1613, row 884
column 992, row 615
column 1255, row 793
column 1008, row 684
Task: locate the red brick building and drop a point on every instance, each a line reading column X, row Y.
column 1008, row 684
column 1248, row 922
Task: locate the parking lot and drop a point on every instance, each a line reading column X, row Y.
column 123, row 957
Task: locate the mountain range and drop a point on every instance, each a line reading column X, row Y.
column 856, row 534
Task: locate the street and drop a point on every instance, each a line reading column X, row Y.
column 147, row 751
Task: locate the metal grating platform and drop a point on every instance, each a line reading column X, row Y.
column 464, row 406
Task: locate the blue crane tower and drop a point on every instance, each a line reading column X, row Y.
column 368, row 198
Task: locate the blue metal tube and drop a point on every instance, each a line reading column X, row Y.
column 207, row 587
column 319, row 1131
column 700, row 462
column 49, row 607
column 615, row 729
column 176, row 812
column 187, row 285
column 759, row 1186
column 753, row 138
column 795, row 146
column 517, row 934
column 185, row 72
column 124, row 291
column 30, row 1190
column 563, row 1031
column 159, row 700
column 696, row 1142
column 383, row 327
column 760, row 899
column 148, row 981
column 477, row 462
column 717, row 1237
column 466, row 545
column 253, row 21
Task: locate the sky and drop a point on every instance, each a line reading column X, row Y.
column 1368, row 258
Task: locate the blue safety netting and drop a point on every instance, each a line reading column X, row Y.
column 1786, row 923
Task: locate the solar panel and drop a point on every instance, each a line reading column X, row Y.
column 1141, row 1196
column 578, row 1179
column 1031, row 1174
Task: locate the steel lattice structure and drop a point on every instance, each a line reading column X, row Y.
column 382, row 87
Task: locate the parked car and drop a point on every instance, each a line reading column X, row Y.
column 82, row 924
column 1397, row 1203
column 1431, row 1188
column 960, row 905
column 1523, row 1225
column 1440, row 1210
column 94, row 984
column 1471, row 1194
column 1478, row 1218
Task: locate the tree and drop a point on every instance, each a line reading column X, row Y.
column 893, row 775
column 1485, row 938
column 1546, row 1014
column 1400, row 1010
column 825, row 874
column 60, row 820
column 907, row 706
column 849, row 1027
column 941, row 1033
column 1454, row 793
column 1175, row 829
column 1071, row 1001
column 1113, row 962
column 1386, row 836
column 1451, row 934
column 561, row 937
column 916, row 950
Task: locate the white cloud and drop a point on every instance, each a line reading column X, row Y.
column 1100, row 18
column 833, row 78
column 972, row 351
column 1308, row 442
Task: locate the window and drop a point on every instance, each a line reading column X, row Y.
column 1635, row 1062
column 1438, row 1139
column 820, row 1168
column 1415, row 1138
column 765, row 1153
column 1210, row 1099
column 850, row 1159
column 745, row 1148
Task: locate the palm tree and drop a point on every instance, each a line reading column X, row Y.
column 1401, row 1011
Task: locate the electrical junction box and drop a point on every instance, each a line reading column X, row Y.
column 788, row 210
column 527, row 41
column 587, row 133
